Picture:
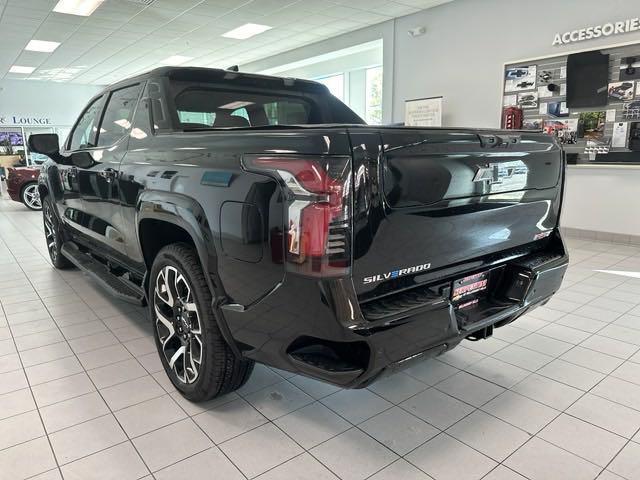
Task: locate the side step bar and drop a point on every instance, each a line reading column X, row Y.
column 118, row 287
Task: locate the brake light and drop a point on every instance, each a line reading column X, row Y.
column 318, row 203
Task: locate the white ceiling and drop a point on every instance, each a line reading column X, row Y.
column 124, row 37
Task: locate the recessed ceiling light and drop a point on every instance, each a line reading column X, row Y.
column 83, row 8
column 19, row 69
column 41, row 46
column 247, row 30
column 175, row 60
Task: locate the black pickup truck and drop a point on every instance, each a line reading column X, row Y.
column 260, row 219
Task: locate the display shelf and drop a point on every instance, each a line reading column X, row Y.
column 525, row 85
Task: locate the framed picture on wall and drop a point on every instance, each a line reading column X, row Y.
column 591, row 125
column 520, row 78
column 423, row 112
column 528, row 100
column 14, row 138
column 622, row 91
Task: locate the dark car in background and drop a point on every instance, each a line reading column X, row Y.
column 22, row 186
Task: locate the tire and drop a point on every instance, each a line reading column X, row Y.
column 53, row 235
column 30, row 196
column 195, row 356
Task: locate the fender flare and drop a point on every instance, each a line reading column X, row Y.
column 186, row 213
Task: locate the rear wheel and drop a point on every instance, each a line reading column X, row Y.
column 31, row 196
column 193, row 352
column 53, row 235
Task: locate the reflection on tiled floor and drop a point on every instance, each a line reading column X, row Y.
column 83, row 394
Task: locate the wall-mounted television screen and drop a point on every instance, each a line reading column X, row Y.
column 14, row 138
column 587, row 79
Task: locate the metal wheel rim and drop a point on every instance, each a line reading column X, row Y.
column 31, row 197
column 178, row 324
column 50, row 232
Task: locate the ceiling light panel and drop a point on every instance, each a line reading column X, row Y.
column 83, row 8
column 175, row 60
column 247, row 30
column 42, row 46
column 21, row 69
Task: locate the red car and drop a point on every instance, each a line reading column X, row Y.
column 22, row 186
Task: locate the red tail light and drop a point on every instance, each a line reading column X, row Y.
column 318, row 199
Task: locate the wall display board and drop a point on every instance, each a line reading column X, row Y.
column 423, row 112
column 607, row 118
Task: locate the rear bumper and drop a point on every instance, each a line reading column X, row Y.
column 319, row 329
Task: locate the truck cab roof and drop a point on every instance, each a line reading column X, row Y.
column 217, row 75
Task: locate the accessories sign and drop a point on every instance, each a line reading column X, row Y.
column 597, row 31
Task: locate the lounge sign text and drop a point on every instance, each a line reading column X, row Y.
column 23, row 120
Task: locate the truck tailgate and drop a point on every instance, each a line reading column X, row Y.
column 441, row 198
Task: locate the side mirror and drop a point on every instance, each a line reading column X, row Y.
column 45, row 143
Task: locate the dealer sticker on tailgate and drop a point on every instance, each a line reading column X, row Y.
column 468, row 286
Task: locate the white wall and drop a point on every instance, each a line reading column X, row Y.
column 61, row 103
column 604, row 199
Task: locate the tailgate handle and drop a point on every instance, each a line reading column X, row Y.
column 492, row 141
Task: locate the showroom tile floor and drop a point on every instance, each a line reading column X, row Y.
column 83, row 394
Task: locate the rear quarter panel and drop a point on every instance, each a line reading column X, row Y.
column 240, row 213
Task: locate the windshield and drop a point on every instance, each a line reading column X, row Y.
column 201, row 106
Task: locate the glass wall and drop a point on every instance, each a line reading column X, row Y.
column 335, row 84
column 360, row 89
column 373, row 93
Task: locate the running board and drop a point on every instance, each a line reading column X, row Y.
column 118, row 287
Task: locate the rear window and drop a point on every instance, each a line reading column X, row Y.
column 201, row 106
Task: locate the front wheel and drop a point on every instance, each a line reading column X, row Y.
column 53, row 236
column 31, row 196
column 197, row 359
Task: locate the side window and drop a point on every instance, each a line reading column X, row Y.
column 84, row 133
column 284, row 112
column 116, row 121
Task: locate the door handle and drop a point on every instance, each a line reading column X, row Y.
column 108, row 174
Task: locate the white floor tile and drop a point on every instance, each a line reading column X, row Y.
column 540, row 460
column 353, row 455
column 627, row 462
column 398, row 430
column 249, row 454
column 313, row 425
column 489, row 435
column 470, row 389
column 356, row 406
column 583, row 439
column 302, row 466
column 171, row 444
column 609, row 415
column 229, row 420
column 437, row 408
column 202, row 465
column 434, row 458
